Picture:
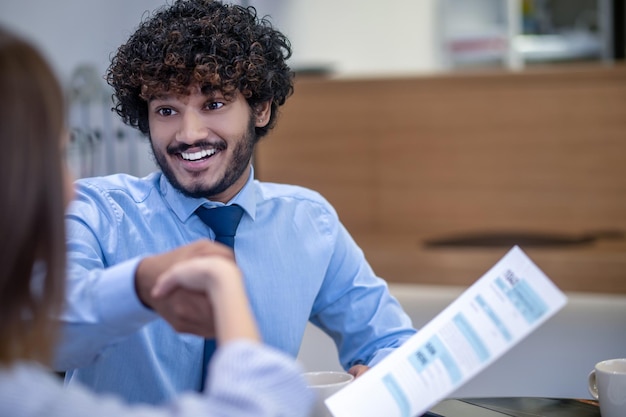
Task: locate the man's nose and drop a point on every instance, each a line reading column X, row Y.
column 192, row 128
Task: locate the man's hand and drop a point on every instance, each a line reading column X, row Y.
column 187, row 311
column 358, row 370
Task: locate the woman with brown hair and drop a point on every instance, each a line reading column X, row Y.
column 247, row 378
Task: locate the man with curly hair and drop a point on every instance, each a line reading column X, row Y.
column 203, row 81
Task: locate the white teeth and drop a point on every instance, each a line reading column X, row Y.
column 194, row 156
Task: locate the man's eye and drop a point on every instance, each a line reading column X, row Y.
column 165, row 111
column 214, row 105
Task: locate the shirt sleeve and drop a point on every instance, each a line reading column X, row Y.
column 248, row 380
column 355, row 307
column 102, row 306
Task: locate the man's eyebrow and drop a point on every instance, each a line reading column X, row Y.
column 161, row 97
column 213, row 93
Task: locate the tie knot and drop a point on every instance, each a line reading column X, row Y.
column 223, row 221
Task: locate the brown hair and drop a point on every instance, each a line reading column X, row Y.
column 32, row 245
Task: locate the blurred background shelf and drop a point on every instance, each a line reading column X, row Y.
column 517, row 33
column 566, row 46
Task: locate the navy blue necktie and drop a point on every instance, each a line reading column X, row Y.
column 223, row 221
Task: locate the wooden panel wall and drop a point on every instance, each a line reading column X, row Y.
column 411, row 159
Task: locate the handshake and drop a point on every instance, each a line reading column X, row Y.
column 198, row 289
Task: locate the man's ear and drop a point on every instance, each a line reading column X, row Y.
column 262, row 113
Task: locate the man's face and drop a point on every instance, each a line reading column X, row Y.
column 203, row 143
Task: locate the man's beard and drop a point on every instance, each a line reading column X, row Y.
column 237, row 166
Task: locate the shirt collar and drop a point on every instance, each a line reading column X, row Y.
column 184, row 207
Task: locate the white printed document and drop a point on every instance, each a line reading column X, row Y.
column 506, row 304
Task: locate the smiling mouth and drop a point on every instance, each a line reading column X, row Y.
column 196, row 156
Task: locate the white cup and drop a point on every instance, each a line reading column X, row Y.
column 325, row 384
column 607, row 384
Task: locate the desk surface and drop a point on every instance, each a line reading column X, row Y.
column 515, row 407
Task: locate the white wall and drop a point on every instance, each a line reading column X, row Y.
column 359, row 37
column 74, row 32
column 354, row 36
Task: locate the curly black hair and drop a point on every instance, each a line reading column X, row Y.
column 221, row 47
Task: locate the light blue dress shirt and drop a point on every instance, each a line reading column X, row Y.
column 298, row 260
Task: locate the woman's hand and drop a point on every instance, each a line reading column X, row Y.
column 203, row 273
